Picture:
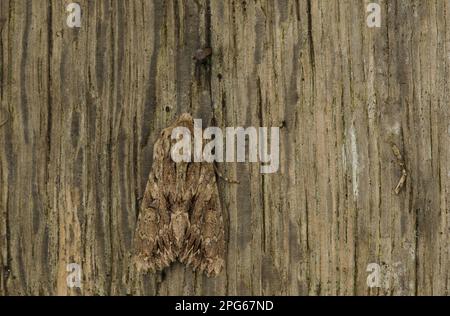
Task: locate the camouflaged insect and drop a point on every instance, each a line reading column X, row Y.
column 181, row 217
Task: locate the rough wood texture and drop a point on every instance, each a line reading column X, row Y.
column 86, row 106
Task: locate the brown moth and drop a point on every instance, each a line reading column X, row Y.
column 181, row 216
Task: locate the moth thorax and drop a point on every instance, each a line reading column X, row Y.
column 179, row 221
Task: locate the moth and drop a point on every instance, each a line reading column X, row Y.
column 180, row 216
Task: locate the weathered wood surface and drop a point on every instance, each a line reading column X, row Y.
column 87, row 104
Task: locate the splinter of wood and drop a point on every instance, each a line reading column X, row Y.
column 401, row 162
column 202, row 53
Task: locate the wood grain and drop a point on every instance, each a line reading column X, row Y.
column 86, row 105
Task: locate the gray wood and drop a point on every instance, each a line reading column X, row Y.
column 87, row 104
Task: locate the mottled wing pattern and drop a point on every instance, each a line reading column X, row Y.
column 152, row 243
column 205, row 239
column 176, row 191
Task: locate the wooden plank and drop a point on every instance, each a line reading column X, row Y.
column 82, row 108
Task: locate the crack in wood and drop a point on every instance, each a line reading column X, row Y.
column 8, row 117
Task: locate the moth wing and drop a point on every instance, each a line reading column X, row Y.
column 152, row 244
column 204, row 247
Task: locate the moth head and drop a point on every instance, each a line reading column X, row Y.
column 186, row 118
